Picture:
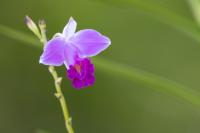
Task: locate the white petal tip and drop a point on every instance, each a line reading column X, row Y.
column 41, row 61
column 71, row 18
column 109, row 41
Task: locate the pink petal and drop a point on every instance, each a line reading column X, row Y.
column 53, row 52
column 70, row 28
column 70, row 55
column 90, row 42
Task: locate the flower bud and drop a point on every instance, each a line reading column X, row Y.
column 42, row 24
column 32, row 26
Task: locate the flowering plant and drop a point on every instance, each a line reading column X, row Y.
column 73, row 49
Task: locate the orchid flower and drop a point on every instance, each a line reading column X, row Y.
column 73, row 49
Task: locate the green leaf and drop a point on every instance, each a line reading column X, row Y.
column 150, row 80
column 135, row 75
column 195, row 8
column 19, row 36
column 163, row 14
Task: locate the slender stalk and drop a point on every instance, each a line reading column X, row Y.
column 61, row 98
column 57, row 80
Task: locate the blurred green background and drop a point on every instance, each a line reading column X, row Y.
column 114, row 104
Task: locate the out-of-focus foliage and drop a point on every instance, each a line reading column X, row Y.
column 114, row 104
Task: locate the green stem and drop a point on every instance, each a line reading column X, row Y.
column 57, row 80
column 62, row 100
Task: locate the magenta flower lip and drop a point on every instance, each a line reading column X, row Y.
column 74, row 49
column 81, row 73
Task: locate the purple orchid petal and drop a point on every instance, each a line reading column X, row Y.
column 53, row 52
column 58, row 51
column 81, row 73
column 70, row 55
column 70, row 28
column 90, row 42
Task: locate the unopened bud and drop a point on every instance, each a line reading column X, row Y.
column 42, row 24
column 32, row 26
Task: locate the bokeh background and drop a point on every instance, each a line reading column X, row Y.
column 114, row 104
